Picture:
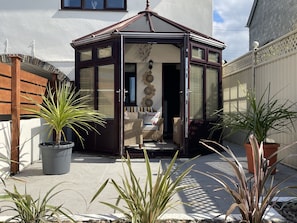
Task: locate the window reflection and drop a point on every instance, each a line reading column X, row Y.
column 114, row 4
column 106, row 90
column 196, row 95
column 94, row 4
column 87, row 84
column 212, row 80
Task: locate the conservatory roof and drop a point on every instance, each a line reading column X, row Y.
column 146, row 24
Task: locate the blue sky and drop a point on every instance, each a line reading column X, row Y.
column 229, row 25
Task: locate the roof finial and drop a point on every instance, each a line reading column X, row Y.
column 147, row 5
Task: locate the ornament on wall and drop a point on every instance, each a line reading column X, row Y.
column 149, row 90
column 144, row 51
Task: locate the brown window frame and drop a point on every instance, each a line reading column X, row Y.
column 207, row 50
column 83, row 7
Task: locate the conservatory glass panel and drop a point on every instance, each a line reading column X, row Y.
column 87, row 84
column 212, row 77
column 196, row 92
column 106, row 90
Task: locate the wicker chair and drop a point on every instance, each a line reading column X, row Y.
column 138, row 129
column 133, row 132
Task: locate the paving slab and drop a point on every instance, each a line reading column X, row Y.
column 89, row 171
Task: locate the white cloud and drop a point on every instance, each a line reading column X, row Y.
column 231, row 28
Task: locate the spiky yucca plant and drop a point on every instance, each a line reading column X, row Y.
column 146, row 203
column 62, row 107
column 264, row 115
column 251, row 195
column 37, row 210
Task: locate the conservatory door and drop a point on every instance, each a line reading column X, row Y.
column 107, row 141
column 203, row 102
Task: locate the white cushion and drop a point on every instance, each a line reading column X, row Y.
column 151, row 118
column 131, row 115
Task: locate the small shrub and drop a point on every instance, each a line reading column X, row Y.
column 251, row 195
column 146, row 203
column 34, row 210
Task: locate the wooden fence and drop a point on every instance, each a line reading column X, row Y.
column 14, row 85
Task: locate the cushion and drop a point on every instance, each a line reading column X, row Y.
column 141, row 115
column 131, row 115
column 151, row 118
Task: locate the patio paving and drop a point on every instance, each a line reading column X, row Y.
column 88, row 172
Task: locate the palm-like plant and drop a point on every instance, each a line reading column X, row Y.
column 251, row 195
column 146, row 203
column 261, row 116
column 37, row 210
column 62, row 107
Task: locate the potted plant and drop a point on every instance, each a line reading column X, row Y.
column 251, row 195
column 63, row 107
column 263, row 117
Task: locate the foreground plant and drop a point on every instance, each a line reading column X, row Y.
column 32, row 210
column 146, row 203
column 251, row 195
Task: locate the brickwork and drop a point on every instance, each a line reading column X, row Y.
column 272, row 19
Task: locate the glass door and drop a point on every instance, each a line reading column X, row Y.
column 96, row 72
column 106, row 104
column 203, row 102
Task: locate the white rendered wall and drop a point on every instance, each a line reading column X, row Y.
column 32, row 133
column 41, row 29
column 5, row 138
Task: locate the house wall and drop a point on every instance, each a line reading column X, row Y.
column 274, row 64
column 5, row 138
column 271, row 20
column 164, row 53
column 41, row 29
column 32, row 133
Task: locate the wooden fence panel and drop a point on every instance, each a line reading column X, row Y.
column 33, row 78
column 31, row 85
column 5, row 108
column 5, row 82
column 15, row 86
column 5, row 95
column 5, row 69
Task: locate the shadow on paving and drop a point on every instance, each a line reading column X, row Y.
column 204, row 198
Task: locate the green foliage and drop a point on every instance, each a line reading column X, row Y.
column 146, row 203
column 64, row 107
column 251, row 195
column 261, row 116
column 31, row 210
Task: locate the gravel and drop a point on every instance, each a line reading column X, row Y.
column 288, row 210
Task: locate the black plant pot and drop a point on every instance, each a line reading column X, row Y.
column 56, row 159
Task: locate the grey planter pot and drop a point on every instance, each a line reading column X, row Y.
column 56, row 159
